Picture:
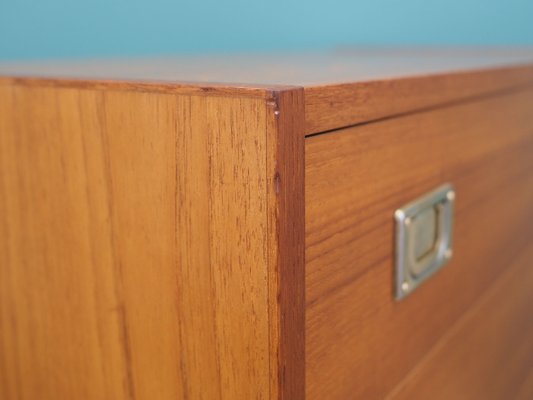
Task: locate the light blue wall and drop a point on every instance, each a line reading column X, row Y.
column 70, row 28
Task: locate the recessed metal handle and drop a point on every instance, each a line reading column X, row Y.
column 423, row 238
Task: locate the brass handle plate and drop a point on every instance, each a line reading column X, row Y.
column 423, row 238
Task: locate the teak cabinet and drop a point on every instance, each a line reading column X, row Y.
column 167, row 233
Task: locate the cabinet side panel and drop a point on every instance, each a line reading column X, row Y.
column 62, row 324
column 133, row 258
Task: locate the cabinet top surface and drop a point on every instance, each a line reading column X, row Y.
column 271, row 70
column 341, row 88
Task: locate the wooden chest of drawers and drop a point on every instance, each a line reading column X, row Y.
column 163, row 236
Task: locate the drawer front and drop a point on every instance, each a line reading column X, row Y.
column 450, row 337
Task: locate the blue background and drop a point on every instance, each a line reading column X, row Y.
column 92, row 28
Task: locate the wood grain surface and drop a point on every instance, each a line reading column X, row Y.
column 286, row 242
column 336, row 106
column 152, row 226
column 360, row 343
column 141, row 242
column 342, row 88
column 489, row 349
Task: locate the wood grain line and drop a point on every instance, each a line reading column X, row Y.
column 117, row 266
